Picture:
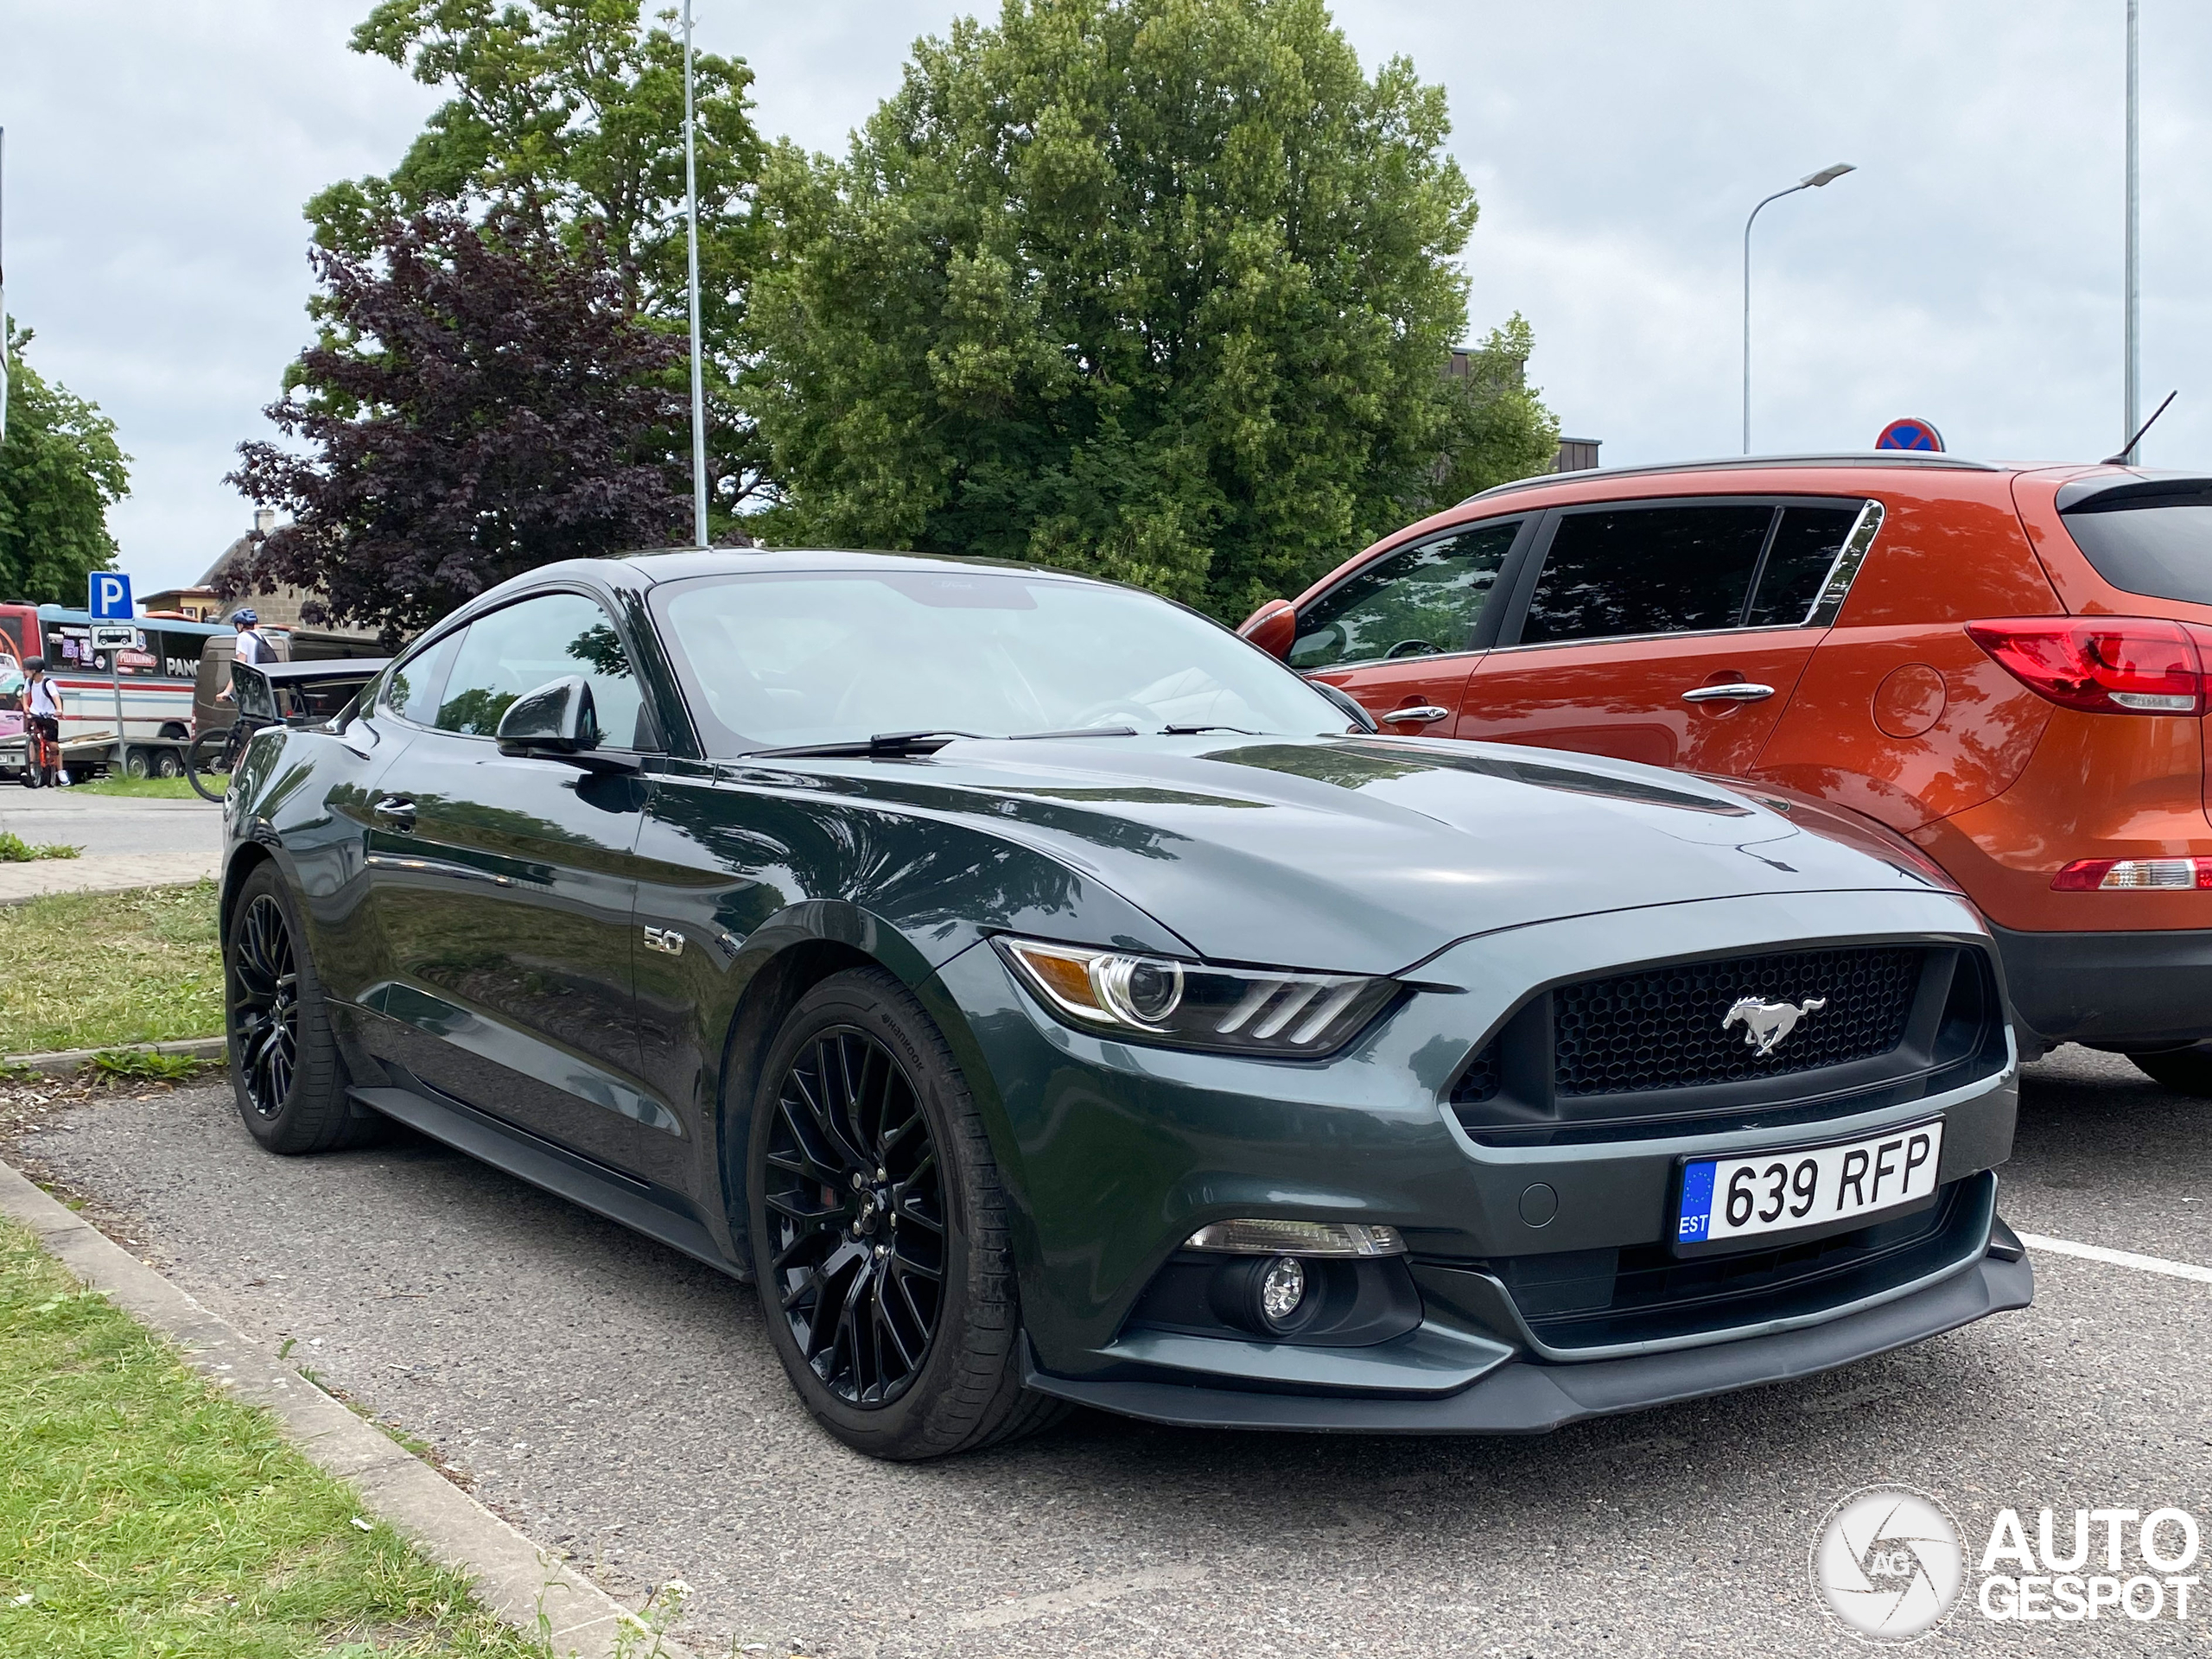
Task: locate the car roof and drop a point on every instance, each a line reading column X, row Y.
column 1899, row 458
column 676, row 564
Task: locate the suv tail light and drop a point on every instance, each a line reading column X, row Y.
column 2133, row 875
column 2105, row 664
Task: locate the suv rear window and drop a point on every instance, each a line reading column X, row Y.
column 2158, row 545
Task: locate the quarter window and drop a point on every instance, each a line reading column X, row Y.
column 1416, row 602
column 517, row 649
column 412, row 690
column 1798, row 563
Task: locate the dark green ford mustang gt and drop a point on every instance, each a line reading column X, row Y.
column 1045, row 996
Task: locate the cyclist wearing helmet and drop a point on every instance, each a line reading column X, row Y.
column 253, row 648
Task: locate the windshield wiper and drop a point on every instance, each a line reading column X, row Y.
column 888, row 745
column 1192, row 731
column 894, row 745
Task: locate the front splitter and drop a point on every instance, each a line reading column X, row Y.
column 1530, row 1397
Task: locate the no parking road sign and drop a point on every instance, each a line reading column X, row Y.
column 1910, row 434
column 108, row 596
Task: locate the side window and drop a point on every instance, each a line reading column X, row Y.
column 411, row 689
column 520, row 647
column 1798, row 563
column 1415, row 602
column 1631, row 571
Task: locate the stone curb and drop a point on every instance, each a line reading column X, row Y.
column 513, row 1577
column 61, row 1060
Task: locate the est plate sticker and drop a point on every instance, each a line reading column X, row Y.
column 1780, row 1191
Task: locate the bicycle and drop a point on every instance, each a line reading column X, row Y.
column 218, row 752
column 41, row 754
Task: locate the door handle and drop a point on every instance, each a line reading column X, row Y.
column 396, row 808
column 1738, row 692
column 1423, row 712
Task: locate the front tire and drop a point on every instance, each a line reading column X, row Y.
column 285, row 1070
column 879, row 1228
column 2184, row 1070
column 209, row 751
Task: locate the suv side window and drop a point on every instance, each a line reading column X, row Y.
column 1614, row 571
column 517, row 648
column 1418, row 601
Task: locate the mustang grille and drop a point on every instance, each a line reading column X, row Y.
column 1478, row 1083
column 1661, row 1028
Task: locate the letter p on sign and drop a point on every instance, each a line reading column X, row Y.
column 109, row 599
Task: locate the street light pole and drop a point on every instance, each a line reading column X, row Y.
column 2131, row 368
column 1819, row 181
column 691, row 239
column 4, row 286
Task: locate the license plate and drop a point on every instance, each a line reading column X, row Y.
column 1814, row 1186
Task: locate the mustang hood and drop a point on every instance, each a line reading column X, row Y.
column 1363, row 854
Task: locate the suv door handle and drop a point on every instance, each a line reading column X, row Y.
column 1740, row 691
column 1423, row 712
column 396, row 808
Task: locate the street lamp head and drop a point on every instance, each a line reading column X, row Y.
column 1828, row 176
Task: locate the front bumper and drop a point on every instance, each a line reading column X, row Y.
column 1115, row 1153
column 1520, row 1396
column 2151, row 987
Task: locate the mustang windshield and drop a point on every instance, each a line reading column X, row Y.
column 833, row 656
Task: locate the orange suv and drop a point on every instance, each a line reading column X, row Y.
column 2007, row 667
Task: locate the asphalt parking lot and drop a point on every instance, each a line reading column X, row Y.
column 619, row 1402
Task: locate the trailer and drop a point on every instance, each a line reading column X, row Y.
column 126, row 702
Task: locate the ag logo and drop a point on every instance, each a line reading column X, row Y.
column 1888, row 1562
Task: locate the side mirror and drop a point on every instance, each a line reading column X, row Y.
column 558, row 722
column 1273, row 627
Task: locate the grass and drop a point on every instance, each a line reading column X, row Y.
column 14, row 850
column 101, row 970
column 145, row 1065
column 161, row 788
column 143, row 1512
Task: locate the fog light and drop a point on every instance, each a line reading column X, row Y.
column 1282, row 1289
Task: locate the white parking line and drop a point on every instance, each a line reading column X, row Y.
column 2118, row 1258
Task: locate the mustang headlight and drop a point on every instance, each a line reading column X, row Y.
column 1196, row 1005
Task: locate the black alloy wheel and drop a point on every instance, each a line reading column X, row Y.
column 265, row 1004
column 855, row 1196
column 880, row 1231
column 285, row 1068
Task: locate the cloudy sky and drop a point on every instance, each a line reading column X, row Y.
column 1969, row 273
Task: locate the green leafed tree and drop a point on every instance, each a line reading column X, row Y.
column 1160, row 289
column 60, row 470
column 571, row 113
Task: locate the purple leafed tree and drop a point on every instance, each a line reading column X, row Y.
column 481, row 403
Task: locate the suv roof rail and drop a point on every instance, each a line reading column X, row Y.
column 1737, row 463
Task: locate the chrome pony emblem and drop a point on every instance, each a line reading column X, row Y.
column 1765, row 1024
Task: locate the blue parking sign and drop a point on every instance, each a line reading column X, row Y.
column 109, row 596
